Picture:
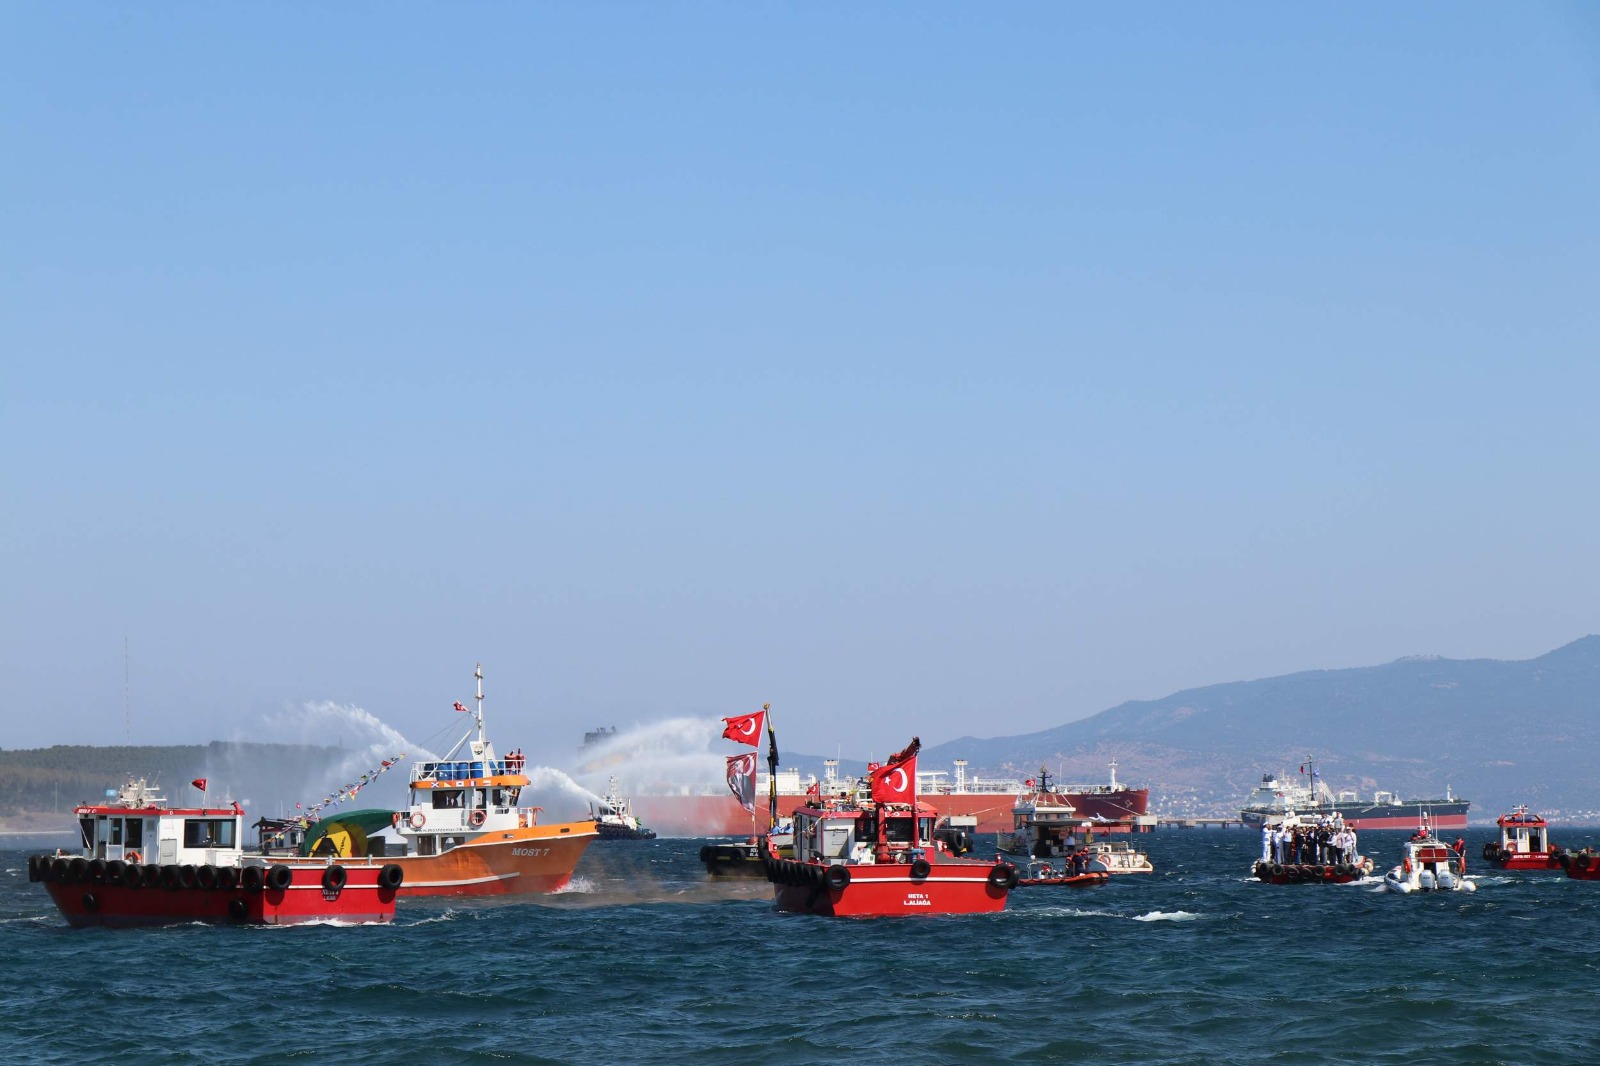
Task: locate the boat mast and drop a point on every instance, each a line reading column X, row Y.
column 477, row 672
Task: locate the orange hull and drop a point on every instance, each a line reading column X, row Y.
column 536, row 859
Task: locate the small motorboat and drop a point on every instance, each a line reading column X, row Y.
column 1040, row 874
column 1428, row 864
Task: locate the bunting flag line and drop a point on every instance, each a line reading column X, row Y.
column 350, row 790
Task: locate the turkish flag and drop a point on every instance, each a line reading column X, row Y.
column 199, row 783
column 745, row 728
column 896, row 782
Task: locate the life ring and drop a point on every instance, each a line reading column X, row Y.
column 921, row 868
column 417, row 820
column 837, row 877
column 476, row 818
column 132, row 856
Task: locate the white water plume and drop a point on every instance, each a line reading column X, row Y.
column 327, row 745
column 545, row 780
column 673, row 756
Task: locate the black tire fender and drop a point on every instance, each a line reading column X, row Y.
column 1003, row 876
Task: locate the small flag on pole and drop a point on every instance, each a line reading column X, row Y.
column 461, row 707
column 199, row 783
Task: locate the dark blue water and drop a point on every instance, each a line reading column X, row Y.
column 646, row 962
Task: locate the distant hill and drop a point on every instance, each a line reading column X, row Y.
column 55, row 779
column 1494, row 731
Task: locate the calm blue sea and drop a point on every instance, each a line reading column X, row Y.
column 644, row 961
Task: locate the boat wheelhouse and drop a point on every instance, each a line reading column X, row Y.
column 1524, row 843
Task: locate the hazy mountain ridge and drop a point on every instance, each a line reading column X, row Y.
column 1486, row 728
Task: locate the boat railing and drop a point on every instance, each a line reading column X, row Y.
column 466, row 769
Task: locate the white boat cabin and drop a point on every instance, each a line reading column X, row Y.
column 135, row 825
column 1522, row 833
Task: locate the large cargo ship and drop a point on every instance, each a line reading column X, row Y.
column 986, row 800
column 1311, row 797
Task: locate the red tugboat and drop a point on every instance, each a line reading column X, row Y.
column 879, row 856
column 1524, row 843
column 144, row 863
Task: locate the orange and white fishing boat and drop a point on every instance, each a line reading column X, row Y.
column 463, row 832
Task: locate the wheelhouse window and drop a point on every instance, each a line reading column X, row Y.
column 86, row 830
column 135, row 833
column 447, row 798
column 208, row 832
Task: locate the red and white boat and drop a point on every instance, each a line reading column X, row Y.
column 1428, row 864
column 1046, row 825
column 1524, row 843
column 462, row 832
column 145, row 863
column 877, row 855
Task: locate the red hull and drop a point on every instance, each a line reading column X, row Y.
column 1409, row 823
column 889, row 889
column 710, row 816
column 304, row 900
column 1583, row 867
column 1539, row 860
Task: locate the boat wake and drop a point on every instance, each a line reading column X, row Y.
column 1168, row 916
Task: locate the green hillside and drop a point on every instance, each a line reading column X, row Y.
column 58, row 777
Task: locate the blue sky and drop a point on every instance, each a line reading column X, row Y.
column 935, row 370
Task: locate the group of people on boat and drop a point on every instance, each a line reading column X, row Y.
column 1324, row 842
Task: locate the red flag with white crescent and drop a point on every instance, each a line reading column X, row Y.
column 745, row 728
column 461, row 707
column 199, row 783
column 896, row 782
column 742, row 779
